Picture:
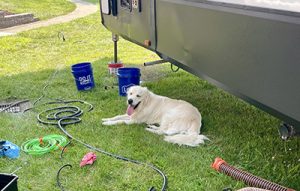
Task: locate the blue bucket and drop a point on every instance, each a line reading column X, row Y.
column 128, row 77
column 9, row 150
column 83, row 75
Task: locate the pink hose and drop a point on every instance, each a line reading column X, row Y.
column 249, row 179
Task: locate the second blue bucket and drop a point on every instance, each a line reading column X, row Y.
column 128, row 77
column 83, row 74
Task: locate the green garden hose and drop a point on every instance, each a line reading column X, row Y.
column 40, row 146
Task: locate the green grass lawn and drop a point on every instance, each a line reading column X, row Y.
column 43, row 9
column 241, row 134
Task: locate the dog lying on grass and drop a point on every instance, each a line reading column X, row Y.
column 178, row 120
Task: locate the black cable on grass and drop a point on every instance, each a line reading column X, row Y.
column 63, row 150
column 58, row 174
column 49, row 80
column 54, row 117
column 152, row 189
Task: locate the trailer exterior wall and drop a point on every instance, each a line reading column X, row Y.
column 254, row 54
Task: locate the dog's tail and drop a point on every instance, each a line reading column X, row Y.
column 191, row 140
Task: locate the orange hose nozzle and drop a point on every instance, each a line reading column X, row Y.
column 218, row 161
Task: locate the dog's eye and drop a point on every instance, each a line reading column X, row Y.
column 138, row 96
column 130, row 93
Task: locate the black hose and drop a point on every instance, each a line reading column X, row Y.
column 63, row 150
column 57, row 176
column 45, row 87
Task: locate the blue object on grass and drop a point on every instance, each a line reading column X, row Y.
column 83, row 74
column 128, row 77
column 9, row 150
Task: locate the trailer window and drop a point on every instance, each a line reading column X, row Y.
column 105, row 7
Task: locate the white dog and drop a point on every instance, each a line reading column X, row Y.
column 178, row 120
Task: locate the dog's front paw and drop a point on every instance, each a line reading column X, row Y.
column 106, row 123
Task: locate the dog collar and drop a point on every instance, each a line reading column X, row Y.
column 136, row 105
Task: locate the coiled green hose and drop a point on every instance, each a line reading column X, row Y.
column 40, row 146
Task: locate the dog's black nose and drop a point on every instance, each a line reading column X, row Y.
column 130, row 101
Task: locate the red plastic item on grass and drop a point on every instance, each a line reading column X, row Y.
column 89, row 158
